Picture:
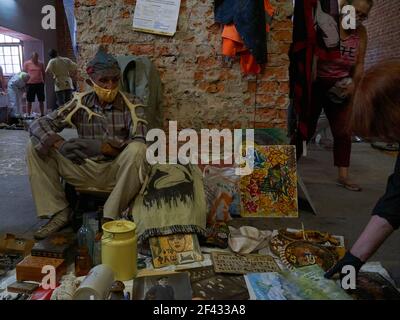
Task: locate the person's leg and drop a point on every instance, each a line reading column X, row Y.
column 125, row 171
column 317, row 103
column 68, row 95
column 47, row 189
column 41, row 98
column 339, row 117
column 60, row 96
column 13, row 100
column 30, row 97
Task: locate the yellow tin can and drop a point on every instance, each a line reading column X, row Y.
column 119, row 248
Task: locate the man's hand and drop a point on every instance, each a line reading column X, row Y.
column 72, row 151
column 90, row 147
column 347, row 260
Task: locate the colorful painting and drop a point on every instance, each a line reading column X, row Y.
column 307, row 283
column 175, row 249
column 271, row 190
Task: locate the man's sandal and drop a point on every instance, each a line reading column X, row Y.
column 56, row 223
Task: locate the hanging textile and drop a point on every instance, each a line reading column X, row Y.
column 315, row 36
column 245, row 32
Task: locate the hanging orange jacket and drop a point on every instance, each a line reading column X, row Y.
column 232, row 44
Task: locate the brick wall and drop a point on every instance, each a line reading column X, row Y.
column 64, row 43
column 199, row 91
column 383, row 26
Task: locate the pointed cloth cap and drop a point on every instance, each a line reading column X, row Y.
column 103, row 64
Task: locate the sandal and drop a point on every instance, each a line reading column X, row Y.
column 56, row 223
column 349, row 186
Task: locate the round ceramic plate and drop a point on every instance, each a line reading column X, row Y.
column 301, row 253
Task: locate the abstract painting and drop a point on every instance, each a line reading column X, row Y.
column 175, row 249
column 271, row 190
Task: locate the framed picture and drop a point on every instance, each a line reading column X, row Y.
column 175, row 249
column 168, row 286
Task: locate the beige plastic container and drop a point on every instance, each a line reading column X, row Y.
column 119, row 248
column 96, row 285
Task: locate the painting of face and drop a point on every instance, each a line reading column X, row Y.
column 177, row 242
column 175, row 249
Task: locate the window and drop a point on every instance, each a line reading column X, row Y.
column 10, row 55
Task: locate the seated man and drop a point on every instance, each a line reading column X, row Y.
column 110, row 152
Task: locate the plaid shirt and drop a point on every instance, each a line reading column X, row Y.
column 114, row 126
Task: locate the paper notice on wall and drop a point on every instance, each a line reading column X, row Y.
column 156, row 16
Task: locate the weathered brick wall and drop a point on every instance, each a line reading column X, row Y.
column 64, row 43
column 199, row 91
column 383, row 28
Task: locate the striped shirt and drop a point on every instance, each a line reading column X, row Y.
column 114, row 126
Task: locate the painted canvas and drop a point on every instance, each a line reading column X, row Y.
column 307, row 283
column 175, row 249
column 271, row 190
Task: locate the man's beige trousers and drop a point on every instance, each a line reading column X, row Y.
column 120, row 175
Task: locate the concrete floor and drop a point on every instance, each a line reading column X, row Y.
column 339, row 211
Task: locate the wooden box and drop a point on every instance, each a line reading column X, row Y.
column 30, row 269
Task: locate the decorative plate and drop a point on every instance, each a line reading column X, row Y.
column 302, row 253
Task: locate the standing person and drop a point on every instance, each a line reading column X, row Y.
column 61, row 69
column 376, row 114
column 2, row 81
column 16, row 88
column 334, row 87
column 35, row 87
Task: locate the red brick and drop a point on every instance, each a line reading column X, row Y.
column 268, row 86
column 284, row 87
column 126, row 14
column 141, row 49
column 282, row 25
column 206, row 62
column 276, row 73
column 282, row 35
column 198, row 75
column 266, row 100
column 106, row 40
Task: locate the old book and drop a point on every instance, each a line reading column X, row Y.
column 30, row 269
column 22, row 287
column 55, row 246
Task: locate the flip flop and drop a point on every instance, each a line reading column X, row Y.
column 349, row 186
